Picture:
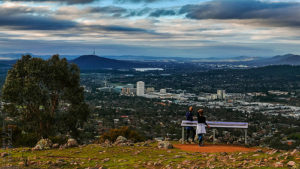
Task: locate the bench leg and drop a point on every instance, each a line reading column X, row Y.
column 245, row 136
column 182, row 135
column 214, row 135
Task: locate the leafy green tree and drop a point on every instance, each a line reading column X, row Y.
column 44, row 96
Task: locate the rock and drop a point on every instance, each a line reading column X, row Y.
column 278, row 164
column 272, row 152
column 145, row 144
column 224, row 154
column 61, row 147
column 291, row 164
column 4, row 154
column 165, row 145
column 259, row 151
column 21, row 163
column 43, row 144
column 55, row 145
column 157, row 163
column 59, row 162
column 105, row 160
column 107, row 141
column 72, row 143
column 49, row 162
column 120, row 140
column 294, row 152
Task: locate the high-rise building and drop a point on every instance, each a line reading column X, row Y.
column 140, row 88
column 221, row 94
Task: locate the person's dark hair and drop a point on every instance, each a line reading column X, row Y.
column 200, row 111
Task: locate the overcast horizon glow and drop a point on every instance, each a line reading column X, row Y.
column 173, row 28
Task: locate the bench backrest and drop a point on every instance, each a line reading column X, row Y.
column 186, row 123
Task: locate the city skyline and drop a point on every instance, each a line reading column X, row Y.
column 204, row 28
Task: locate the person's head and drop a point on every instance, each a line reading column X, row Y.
column 200, row 111
column 191, row 108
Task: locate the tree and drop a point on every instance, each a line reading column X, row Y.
column 44, row 96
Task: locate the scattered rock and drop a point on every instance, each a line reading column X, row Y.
column 72, row 143
column 259, row 151
column 145, row 144
column 278, row 164
column 49, row 162
column 43, row 144
column 224, row 154
column 4, row 154
column 294, row 152
column 291, row 164
column 107, row 141
column 21, row 163
column 120, row 140
column 59, row 162
column 105, row 160
column 157, row 163
column 165, row 145
column 272, row 152
column 55, row 145
column 61, row 147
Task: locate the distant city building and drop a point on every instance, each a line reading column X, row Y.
column 150, row 89
column 221, row 94
column 128, row 91
column 140, row 88
column 163, row 91
column 278, row 93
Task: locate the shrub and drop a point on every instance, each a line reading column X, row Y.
column 113, row 134
column 59, row 139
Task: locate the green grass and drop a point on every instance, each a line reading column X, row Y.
column 136, row 157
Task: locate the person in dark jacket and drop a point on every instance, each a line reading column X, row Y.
column 201, row 126
column 190, row 131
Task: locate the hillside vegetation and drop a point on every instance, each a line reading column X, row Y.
column 144, row 155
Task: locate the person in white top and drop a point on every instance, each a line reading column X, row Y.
column 201, row 126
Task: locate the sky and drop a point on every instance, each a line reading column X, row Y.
column 172, row 28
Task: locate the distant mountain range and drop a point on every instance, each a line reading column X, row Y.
column 288, row 59
column 125, row 62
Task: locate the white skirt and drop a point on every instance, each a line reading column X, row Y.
column 200, row 128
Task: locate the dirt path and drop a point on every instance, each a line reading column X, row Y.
column 212, row 148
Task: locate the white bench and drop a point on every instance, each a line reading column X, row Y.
column 216, row 124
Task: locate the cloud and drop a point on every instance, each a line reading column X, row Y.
column 111, row 10
column 25, row 18
column 123, row 29
column 162, row 12
column 136, row 1
column 58, row 1
column 35, row 23
column 139, row 12
column 269, row 13
column 71, row 2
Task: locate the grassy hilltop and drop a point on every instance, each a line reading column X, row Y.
column 144, row 155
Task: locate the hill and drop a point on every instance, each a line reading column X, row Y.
column 144, row 155
column 89, row 62
column 288, row 59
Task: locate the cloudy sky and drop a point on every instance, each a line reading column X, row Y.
column 183, row 28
